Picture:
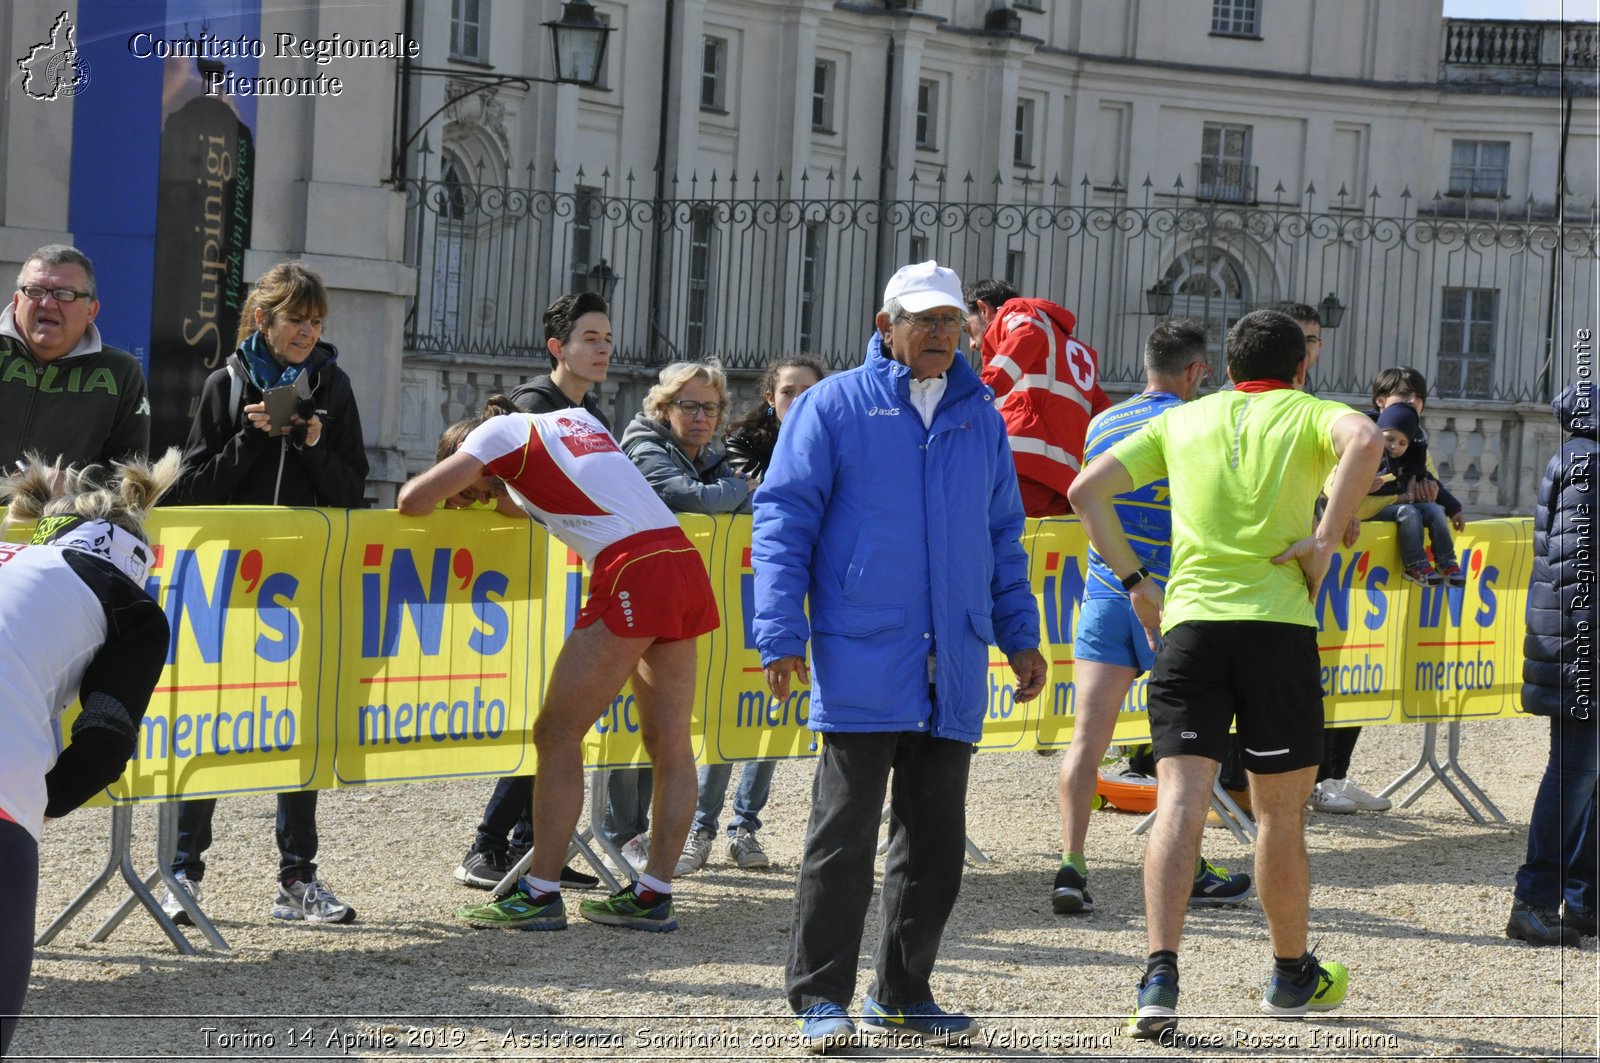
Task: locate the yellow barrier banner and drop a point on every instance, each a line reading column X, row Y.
column 317, row 648
column 240, row 707
column 441, row 646
column 1463, row 645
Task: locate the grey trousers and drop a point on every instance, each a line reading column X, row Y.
column 922, row 876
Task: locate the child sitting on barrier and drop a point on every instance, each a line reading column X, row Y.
column 1407, row 490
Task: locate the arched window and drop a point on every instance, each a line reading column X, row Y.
column 1211, row 286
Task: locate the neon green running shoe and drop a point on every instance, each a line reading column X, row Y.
column 518, row 910
column 1323, row 991
column 626, row 908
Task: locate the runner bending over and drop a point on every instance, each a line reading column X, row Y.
column 75, row 622
column 649, row 589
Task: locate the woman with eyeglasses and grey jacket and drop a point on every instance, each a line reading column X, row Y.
column 676, row 442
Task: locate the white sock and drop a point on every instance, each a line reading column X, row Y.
column 534, row 887
column 655, row 885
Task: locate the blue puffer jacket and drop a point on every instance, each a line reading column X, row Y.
column 1558, row 675
column 905, row 540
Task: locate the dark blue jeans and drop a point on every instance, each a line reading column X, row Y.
column 628, row 792
column 1410, row 519
column 296, row 832
column 1563, row 862
column 509, row 811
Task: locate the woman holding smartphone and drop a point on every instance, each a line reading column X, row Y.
column 240, row 454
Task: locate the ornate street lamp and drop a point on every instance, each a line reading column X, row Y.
column 603, row 280
column 578, row 41
column 1158, row 299
column 1331, row 311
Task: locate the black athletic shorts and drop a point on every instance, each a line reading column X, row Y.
column 1267, row 673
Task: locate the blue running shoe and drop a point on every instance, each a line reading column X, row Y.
column 926, row 1022
column 1214, row 887
column 824, row 1027
column 1324, row 990
column 1070, row 895
column 1157, row 1011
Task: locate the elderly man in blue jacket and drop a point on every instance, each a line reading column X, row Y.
column 891, row 507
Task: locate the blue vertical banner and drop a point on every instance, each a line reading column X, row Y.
column 160, row 186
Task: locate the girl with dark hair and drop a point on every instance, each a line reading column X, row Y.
column 75, row 614
column 752, row 437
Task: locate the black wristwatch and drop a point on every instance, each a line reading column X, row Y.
column 1133, row 579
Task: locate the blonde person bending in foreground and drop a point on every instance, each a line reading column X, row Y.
column 1237, row 633
column 652, row 598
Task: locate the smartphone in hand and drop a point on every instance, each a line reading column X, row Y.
column 282, row 402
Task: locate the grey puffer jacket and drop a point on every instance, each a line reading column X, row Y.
column 707, row 484
column 1558, row 673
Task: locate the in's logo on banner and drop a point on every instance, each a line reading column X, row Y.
column 53, row 68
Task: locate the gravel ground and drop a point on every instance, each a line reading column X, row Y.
column 1414, row 901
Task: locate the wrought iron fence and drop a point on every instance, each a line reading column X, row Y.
column 742, row 270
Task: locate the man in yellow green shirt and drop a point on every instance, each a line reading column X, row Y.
column 1237, row 634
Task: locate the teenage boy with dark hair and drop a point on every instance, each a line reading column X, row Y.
column 577, row 334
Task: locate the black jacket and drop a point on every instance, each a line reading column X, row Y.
column 227, row 462
column 1411, row 467
column 750, row 451
column 1558, row 673
column 116, row 686
column 542, row 395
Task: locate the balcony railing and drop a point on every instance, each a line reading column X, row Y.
column 1226, row 182
column 1495, row 51
column 742, row 270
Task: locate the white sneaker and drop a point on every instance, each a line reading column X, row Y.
column 1363, row 801
column 1327, row 797
column 637, row 851
column 696, row 849
column 170, row 905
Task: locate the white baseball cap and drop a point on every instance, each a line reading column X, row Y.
column 925, row 286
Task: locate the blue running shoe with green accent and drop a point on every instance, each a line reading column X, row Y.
column 518, row 910
column 1214, row 887
column 926, row 1022
column 1324, row 990
column 1157, row 1010
column 628, row 909
column 824, row 1027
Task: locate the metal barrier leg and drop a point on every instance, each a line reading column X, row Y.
column 1424, row 760
column 583, row 843
column 597, row 834
column 120, row 860
column 1452, row 752
column 121, row 817
column 166, row 848
column 1233, row 817
column 1428, row 760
